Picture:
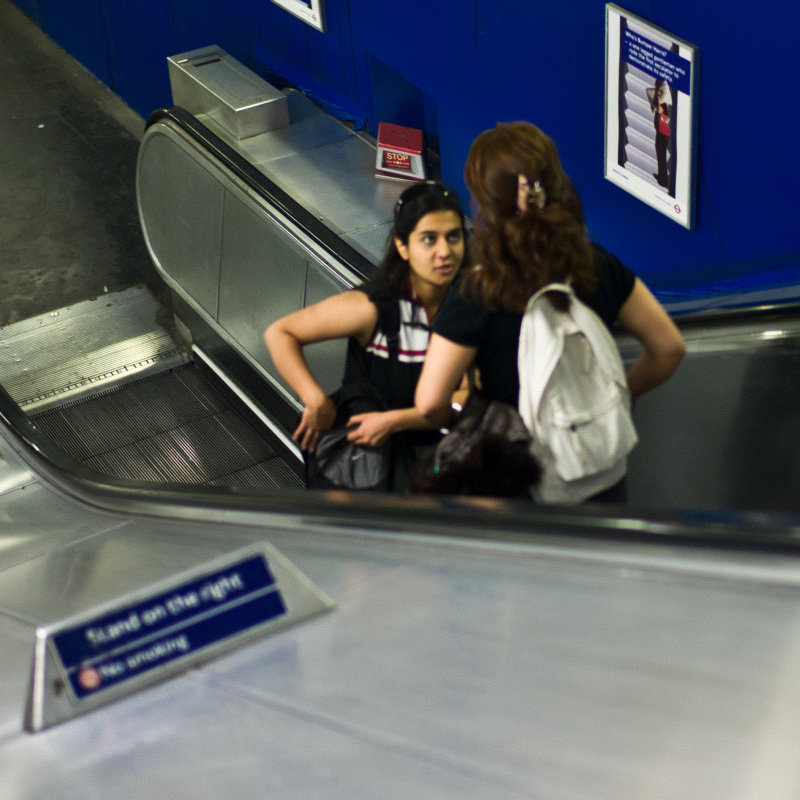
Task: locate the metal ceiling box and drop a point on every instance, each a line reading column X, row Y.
column 210, row 82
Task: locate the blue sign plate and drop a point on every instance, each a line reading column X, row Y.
column 129, row 642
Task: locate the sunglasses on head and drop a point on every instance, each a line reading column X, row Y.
column 420, row 189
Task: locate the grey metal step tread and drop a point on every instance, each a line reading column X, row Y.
column 88, row 347
column 176, row 426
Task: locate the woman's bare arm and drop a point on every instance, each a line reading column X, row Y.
column 445, row 365
column 663, row 346
column 341, row 316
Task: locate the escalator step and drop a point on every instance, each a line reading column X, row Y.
column 177, row 426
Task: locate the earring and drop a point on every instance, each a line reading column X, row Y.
column 537, row 195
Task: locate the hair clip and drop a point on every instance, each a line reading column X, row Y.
column 537, row 195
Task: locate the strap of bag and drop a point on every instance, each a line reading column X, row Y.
column 564, row 288
column 389, row 323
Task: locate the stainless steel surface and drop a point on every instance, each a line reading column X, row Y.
column 331, row 170
column 451, row 667
column 724, row 431
column 15, row 668
column 12, row 477
column 36, row 522
column 50, row 701
column 59, row 356
column 264, row 274
column 181, row 203
column 239, row 263
column 209, row 81
column 336, row 182
column 309, row 129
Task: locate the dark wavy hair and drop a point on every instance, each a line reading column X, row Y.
column 517, row 254
column 392, row 274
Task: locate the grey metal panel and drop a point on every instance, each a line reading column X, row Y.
column 209, row 81
column 266, row 274
column 451, row 668
column 35, row 522
column 15, row 663
column 12, row 475
column 371, row 242
column 95, row 571
column 549, row 677
column 180, row 204
column 329, row 169
column 723, row 432
column 262, row 276
column 71, row 352
column 309, row 129
column 336, row 183
column 261, row 266
column 326, row 359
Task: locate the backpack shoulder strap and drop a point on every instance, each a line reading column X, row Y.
column 564, row 288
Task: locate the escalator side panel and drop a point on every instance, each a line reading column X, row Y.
column 264, row 275
column 185, row 200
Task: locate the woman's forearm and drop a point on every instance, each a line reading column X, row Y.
column 445, row 365
column 288, row 358
column 652, row 369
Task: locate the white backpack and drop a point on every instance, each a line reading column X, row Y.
column 574, row 399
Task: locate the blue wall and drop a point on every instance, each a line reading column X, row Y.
column 455, row 68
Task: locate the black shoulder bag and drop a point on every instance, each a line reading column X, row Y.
column 486, row 452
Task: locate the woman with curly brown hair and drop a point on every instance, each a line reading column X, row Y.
column 530, row 232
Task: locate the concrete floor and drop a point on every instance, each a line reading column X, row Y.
column 69, row 227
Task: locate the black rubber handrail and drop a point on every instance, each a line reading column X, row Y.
column 459, row 517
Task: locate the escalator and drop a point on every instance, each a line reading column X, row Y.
column 140, row 439
column 243, row 232
column 133, row 390
column 127, row 399
column 179, row 426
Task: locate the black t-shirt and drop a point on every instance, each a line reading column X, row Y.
column 496, row 333
column 395, row 379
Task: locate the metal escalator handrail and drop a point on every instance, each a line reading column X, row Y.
column 450, row 517
column 265, row 188
column 735, row 314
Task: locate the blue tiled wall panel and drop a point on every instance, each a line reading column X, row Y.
column 79, row 27
column 460, row 67
column 198, row 23
column 140, row 41
column 31, row 8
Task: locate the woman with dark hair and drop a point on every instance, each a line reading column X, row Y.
column 530, row 232
column 424, row 254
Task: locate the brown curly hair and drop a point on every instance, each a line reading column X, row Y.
column 516, row 254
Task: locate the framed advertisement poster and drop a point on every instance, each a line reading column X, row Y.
column 651, row 114
column 310, row 11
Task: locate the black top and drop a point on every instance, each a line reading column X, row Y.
column 402, row 325
column 496, row 333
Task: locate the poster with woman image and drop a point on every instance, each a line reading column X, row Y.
column 651, row 114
